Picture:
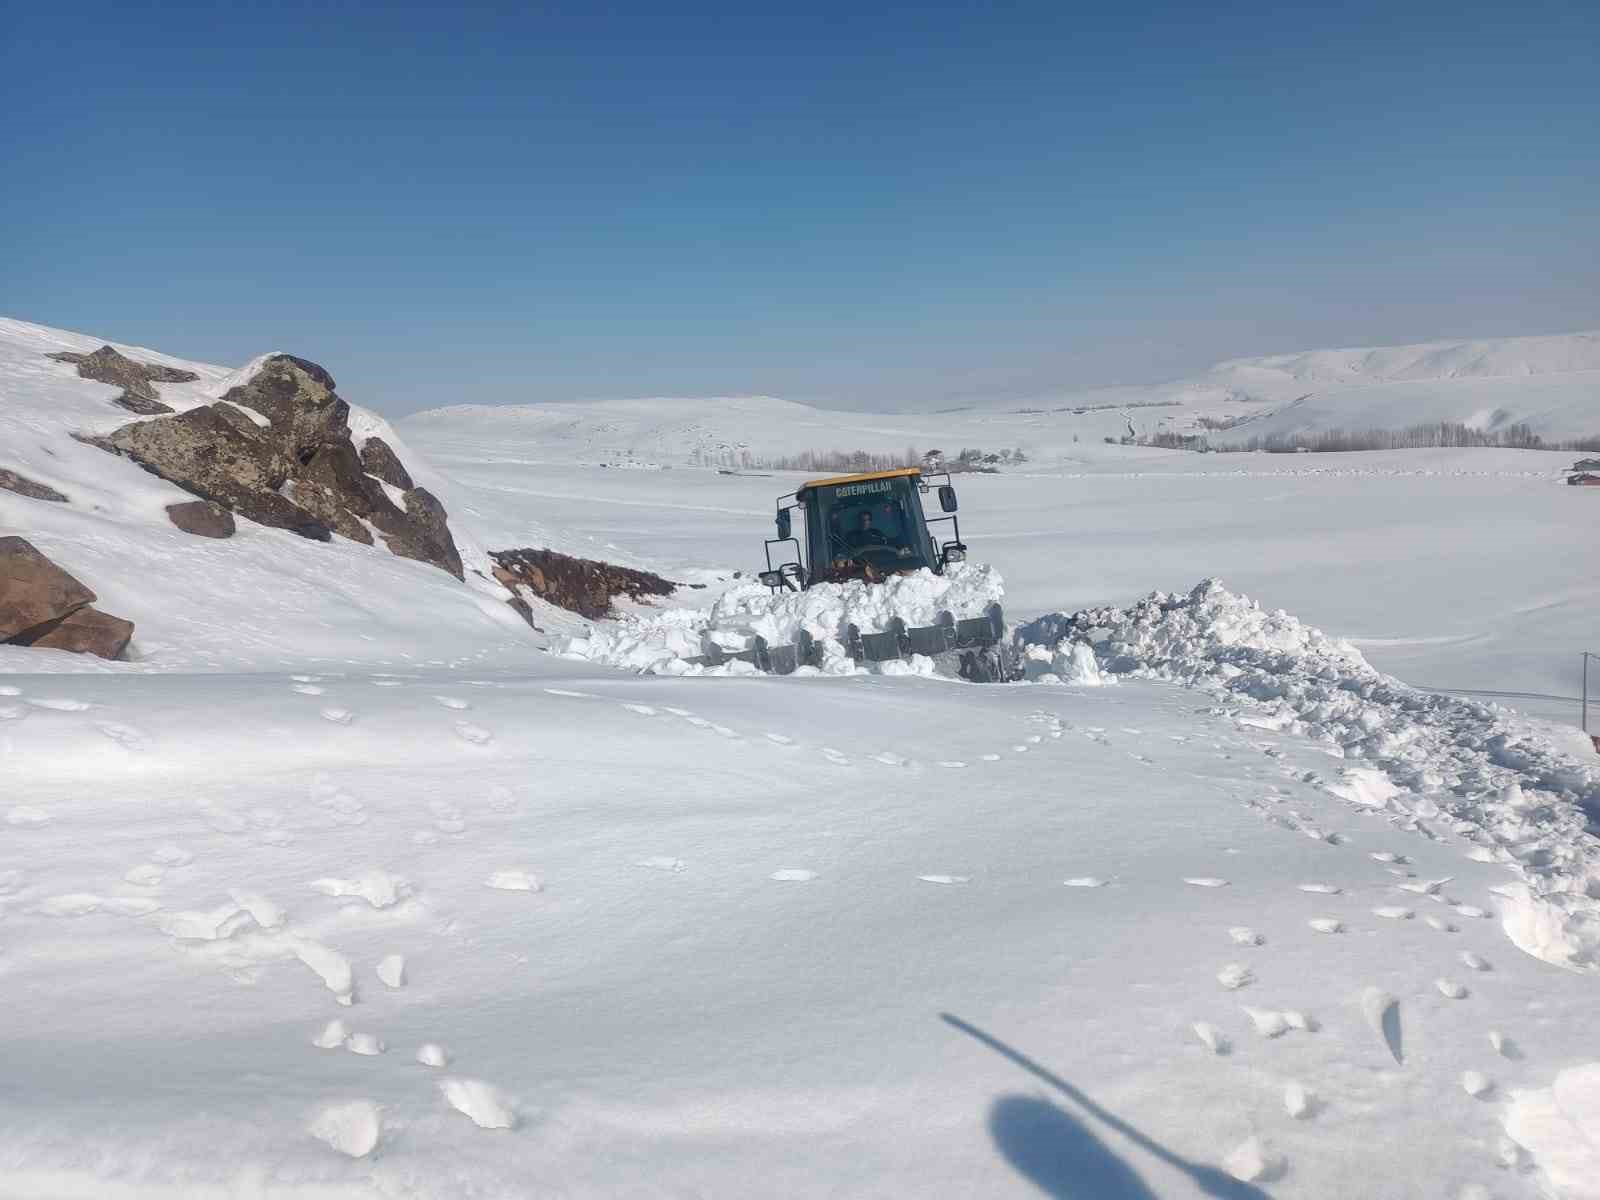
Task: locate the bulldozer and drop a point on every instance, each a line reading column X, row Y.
column 867, row 527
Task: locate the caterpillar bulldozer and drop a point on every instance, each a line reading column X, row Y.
column 867, row 527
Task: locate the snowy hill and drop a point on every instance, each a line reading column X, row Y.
column 1550, row 383
column 347, row 889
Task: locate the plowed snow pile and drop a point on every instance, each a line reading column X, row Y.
column 660, row 642
column 1438, row 765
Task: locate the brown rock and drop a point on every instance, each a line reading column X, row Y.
column 203, row 518
column 84, row 631
column 23, row 486
column 203, row 451
column 424, row 534
column 33, row 590
column 581, row 585
column 378, row 459
column 297, row 396
column 136, row 379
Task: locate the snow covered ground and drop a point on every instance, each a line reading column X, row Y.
column 347, row 888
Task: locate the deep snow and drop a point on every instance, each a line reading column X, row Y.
column 348, row 888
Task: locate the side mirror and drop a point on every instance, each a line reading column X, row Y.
column 955, row 554
column 783, row 523
column 947, row 497
column 771, row 579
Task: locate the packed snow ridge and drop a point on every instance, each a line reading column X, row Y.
column 660, row 642
column 1438, row 765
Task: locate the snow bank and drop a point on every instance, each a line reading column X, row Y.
column 1437, row 764
column 660, row 642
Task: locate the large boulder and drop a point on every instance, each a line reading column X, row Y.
column 423, row 533
column 42, row 605
column 205, row 451
column 297, row 396
column 203, row 518
column 23, row 486
column 378, row 458
column 277, row 449
column 33, row 590
column 86, row 631
column 136, row 379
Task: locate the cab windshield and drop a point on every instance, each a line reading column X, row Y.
column 875, row 522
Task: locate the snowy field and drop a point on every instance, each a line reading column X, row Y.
column 350, row 887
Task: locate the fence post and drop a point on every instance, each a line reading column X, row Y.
column 1585, row 718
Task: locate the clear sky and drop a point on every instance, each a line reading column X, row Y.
column 862, row 205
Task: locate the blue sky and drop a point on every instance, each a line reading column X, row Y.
column 857, row 205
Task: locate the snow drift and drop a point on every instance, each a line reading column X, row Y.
column 1439, row 765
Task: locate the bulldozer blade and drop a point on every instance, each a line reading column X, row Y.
column 979, row 641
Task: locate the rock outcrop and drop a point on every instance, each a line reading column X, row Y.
column 42, row 605
column 203, row 518
column 23, row 486
column 136, row 379
column 277, row 450
column 580, row 585
column 378, row 459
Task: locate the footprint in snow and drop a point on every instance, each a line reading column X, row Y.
column 697, row 722
column 388, row 683
column 431, row 1054
column 1235, row 976
column 1476, row 1084
column 479, row 1102
column 794, row 875
column 1020, row 749
column 308, row 689
column 1205, row 881
column 1439, row 923
column 501, row 799
column 1243, row 935
column 129, row 737
column 570, row 694
column 1503, row 1045
column 1383, row 1014
column 1471, row 910
column 171, row 856
column 724, row 731
column 643, row 710
column 453, row 702
column 951, row 879
column 1393, row 912
column 1388, row 856
column 663, row 862
column 834, row 756
column 677, row 712
column 1450, row 989
column 780, row 739
column 339, row 716
column 145, row 875
column 1084, row 881
column 367, row 1044
column 477, row 735
column 1326, row 924
column 1474, row 961
column 1298, row 1101
column 1211, row 1037
column 951, row 763
column 1321, row 889
column 889, row 759
column 25, row 816
column 352, row 1128
column 514, row 881
column 1035, row 739
column 61, row 705
column 991, row 758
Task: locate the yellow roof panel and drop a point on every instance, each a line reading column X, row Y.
column 833, row 479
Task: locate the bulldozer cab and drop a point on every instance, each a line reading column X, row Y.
column 866, row 526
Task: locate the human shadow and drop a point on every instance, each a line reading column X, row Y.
column 1062, row 1156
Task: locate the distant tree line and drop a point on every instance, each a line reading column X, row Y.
column 856, row 461
column 1440, row 434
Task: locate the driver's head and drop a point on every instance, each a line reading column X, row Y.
column 865, row 521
